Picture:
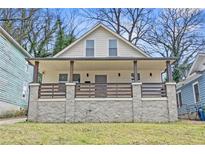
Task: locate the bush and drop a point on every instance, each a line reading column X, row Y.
column 11, row 114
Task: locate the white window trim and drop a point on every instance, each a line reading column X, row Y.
column 94, row 47
column 178, row 98
column 26, row 67
column 112, row 38
column 194, row 91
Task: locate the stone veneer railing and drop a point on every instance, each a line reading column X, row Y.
column 135, row 109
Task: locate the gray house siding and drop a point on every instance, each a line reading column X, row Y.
column 188, row 94
column 15, row 76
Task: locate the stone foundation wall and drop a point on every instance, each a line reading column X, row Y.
column 51, row 111
column 154, row 110
column 72, row 109
column 103, row 110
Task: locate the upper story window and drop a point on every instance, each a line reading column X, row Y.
column 112, row 47
column 196, row 92
column 89, row 48
column 179, row 99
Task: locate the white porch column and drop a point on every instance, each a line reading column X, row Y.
column 137, row 102
column 171, row 101
column 70, row 102
column 33, row 100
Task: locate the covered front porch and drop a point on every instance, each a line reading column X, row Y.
column 102, row 90
column 96, row 78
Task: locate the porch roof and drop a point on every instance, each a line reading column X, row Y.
column 101, row 63
column 32, row 60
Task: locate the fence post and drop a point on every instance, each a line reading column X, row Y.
column 70, row 102
column 137, row 101
column 33, row 101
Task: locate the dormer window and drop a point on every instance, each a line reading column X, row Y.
column 112, row 47
column 89, row 48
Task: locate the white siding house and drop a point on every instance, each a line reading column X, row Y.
column 102, row 77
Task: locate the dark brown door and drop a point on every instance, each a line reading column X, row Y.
column 101, row 86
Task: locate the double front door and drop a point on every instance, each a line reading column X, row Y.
column 101, row 86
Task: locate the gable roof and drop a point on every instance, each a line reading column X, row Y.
column 199, row 64
column 15, row 43
column 189, row 79
column 109, row 30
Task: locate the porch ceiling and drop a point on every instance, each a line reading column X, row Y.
column 101, row 65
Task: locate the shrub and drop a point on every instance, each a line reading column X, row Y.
column 18, row 113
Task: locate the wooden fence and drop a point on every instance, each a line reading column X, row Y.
column 153, row 90
column 98, row 90
column 111, row 90
column 52, row 90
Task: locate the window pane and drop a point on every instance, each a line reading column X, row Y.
column 180, row 99
column 138, row 76
column 89, row 43
column 63, row 77
column 89, row 52
column 196, row 90
column 112, row 51
column 76, row 78
column 112, row 43
column 113, row 47
column 89, row 47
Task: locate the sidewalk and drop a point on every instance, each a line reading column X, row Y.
column 12, row 120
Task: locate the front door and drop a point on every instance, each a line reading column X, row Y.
column 101, row 85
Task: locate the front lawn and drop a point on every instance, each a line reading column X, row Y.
column 183, row 132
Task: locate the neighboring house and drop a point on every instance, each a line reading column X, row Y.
column 191, row 91
column 15, row 74
column 102, row 77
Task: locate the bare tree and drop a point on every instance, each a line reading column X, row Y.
column 133, row 24
column 36, row 29
column 15, row 21
column 177, row 33
column 42, row 33
column 14, row 14
column 33, row 28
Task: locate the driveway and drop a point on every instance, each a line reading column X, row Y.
column 12, row 120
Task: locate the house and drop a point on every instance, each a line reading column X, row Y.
column 191, row 91
column 15, row 75
column 102, row 77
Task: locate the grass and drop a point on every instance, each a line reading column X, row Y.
column 182, row 132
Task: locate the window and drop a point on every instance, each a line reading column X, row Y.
column 113, row 47
column 89, row 48
column 26, row 67
column 25, row 91
column 76, row 78
column 196, row 91
column 179, row 99
column 133, row 77
column 63, row 78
